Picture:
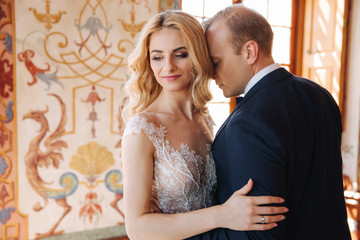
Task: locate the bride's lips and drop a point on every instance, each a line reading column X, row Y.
column 171, row 77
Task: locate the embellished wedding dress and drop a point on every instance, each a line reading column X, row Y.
column 183, row 178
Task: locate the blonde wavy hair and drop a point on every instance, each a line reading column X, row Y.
column 142, row 86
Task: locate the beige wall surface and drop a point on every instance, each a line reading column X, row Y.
column 63, row 69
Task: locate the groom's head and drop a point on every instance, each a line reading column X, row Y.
column 240, row 42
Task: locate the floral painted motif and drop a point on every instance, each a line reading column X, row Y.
column 91, row 207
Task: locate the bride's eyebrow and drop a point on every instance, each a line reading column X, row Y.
column 179, row 48
column 156, row 51
column 175, row 50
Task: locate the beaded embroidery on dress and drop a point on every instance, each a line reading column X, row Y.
column 183, row 180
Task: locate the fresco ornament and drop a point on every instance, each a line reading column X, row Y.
column 92, row 160
column 5, row 133
column 7, row 185
column 71, row 172
column 47, row 17
column 36, row 72
column 36, row 158
column 132, row 27
column 92, row 55
column 5, row 214
column 113, row 182
column 93, row 98
column 6, row 78
column 91, row 207
column 93, row 25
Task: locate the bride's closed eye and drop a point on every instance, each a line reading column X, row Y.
column 181, row 55
column 156, row 58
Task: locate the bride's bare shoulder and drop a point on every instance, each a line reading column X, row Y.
column 149, row 116
column 158, row 118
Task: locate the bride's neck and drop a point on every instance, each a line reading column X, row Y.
column 174, row 103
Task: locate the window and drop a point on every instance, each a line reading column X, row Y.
column 277, row 12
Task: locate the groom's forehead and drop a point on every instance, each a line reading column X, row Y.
column 218, row 35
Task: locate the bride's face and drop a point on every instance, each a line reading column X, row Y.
column 169, row 60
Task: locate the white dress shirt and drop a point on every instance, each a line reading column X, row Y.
column 260, row 75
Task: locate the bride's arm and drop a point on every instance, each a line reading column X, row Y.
column 239, row 212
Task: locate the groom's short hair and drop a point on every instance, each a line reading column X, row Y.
column 244, row 24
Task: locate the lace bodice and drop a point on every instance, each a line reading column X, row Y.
column 183, row 180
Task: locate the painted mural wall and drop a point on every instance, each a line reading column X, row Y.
column 62, row 72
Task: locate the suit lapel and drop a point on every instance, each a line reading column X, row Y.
column 267, row 80
column 226, row 121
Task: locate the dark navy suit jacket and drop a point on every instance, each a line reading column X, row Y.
column 285, row 135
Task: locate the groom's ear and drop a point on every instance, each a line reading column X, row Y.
column 251, row 49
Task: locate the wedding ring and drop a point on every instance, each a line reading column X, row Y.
column 262, row 220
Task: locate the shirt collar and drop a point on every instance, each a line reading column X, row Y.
column 260, row 75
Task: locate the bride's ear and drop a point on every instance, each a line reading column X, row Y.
column 251, row 49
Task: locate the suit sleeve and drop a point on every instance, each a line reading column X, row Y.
column 254, row 150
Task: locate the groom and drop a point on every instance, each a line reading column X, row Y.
column 285, row 133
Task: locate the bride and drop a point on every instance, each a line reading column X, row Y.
column 169, row 172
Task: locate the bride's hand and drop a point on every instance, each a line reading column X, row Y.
column 243, row 213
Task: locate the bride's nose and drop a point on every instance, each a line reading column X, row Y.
column 169, row 64
column 214, row 75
